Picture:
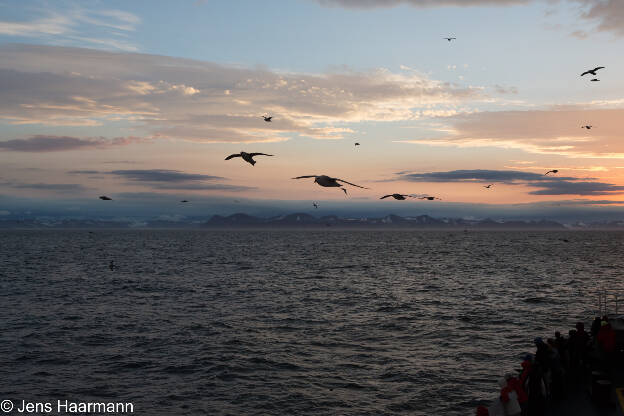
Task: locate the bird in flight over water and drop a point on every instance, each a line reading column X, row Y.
column 450, row 39
column 488, row 186
column 247, row 157
column 551, row 171
column 105, row 198
column 267, row 118
column 588, row 127
column 592, row 71
column 315, row 204
column 594, row 80
column 430, row 198
column 357, row 144
column 329, row 182
column 400, row 197
column 184, row 200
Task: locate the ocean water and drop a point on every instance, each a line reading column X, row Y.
column 287, row 322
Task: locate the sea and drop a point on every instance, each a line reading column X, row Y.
column 288, row 322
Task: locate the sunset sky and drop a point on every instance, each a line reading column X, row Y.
column 143, row 100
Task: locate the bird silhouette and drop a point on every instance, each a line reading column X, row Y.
column 329, row 182
column 430, row 198
column 551, row 171
column 247, row 157
column 357, row 144
column 184, row 200
column 488, row 186
column 449, row 39
column 315, row 204
column 592, row 71
column 267, row 118
column 588, row 127
column 105, row 198
column 400, row 197
column 595, row 80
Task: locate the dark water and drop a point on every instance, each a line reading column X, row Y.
column 285, row 322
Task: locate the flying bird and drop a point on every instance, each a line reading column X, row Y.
column 488, row 186
column 449, row 39
column 592, row 71
column 594, row 80
column 400, row 197
column 315, row 204
column 267, row 118
column 105, row 198
column 357, row 144
column 430, row 198
column 551, row 171
column 329, row 182
column 588, row 127
column 247, row 157
column 184, row 200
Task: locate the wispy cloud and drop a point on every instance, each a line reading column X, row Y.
column 62, row 143
column 204, row 101
column 69, row 27
column 167, row 179
column 55, row 187
column 547, row 185
column 607, row 14
column 554, row 131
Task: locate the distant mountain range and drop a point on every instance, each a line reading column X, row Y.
column 303, row 220
column 389, row 221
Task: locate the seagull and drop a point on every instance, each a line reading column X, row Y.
column 329, row 182
column 357, row 144
column 489, row 186
column 449, row 39
column 430, row 198
column 399, row 197
column 267, row 118
column 105, row 198
column 247, row 157
column 594, row 80
column 592, row 71
column 315, row 204
column 551, row 171
column 184, row 200
column 587, row 127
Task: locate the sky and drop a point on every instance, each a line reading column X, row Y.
column 142, row 101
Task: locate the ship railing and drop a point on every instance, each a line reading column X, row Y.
column 610, row 302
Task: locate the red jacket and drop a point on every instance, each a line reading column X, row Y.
column 513, row 384
column 606, row 338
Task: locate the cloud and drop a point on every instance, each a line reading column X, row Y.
column 68, row 27
column 166, row 179
column 500, row 89
column 366, row 4
column 203, row 101
column 56, row 187
column 62, row 143
column 556, row 131
column 577, row 188
column 607, row 14
column 547, row 185
column 480, row 175
column 162, row 175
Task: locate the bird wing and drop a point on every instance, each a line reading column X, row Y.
column 598, row 67
column 586, row 72
column 306, row 176
column 385, row 196
column 258, row 154
column 231, row 156
column 352, row 184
